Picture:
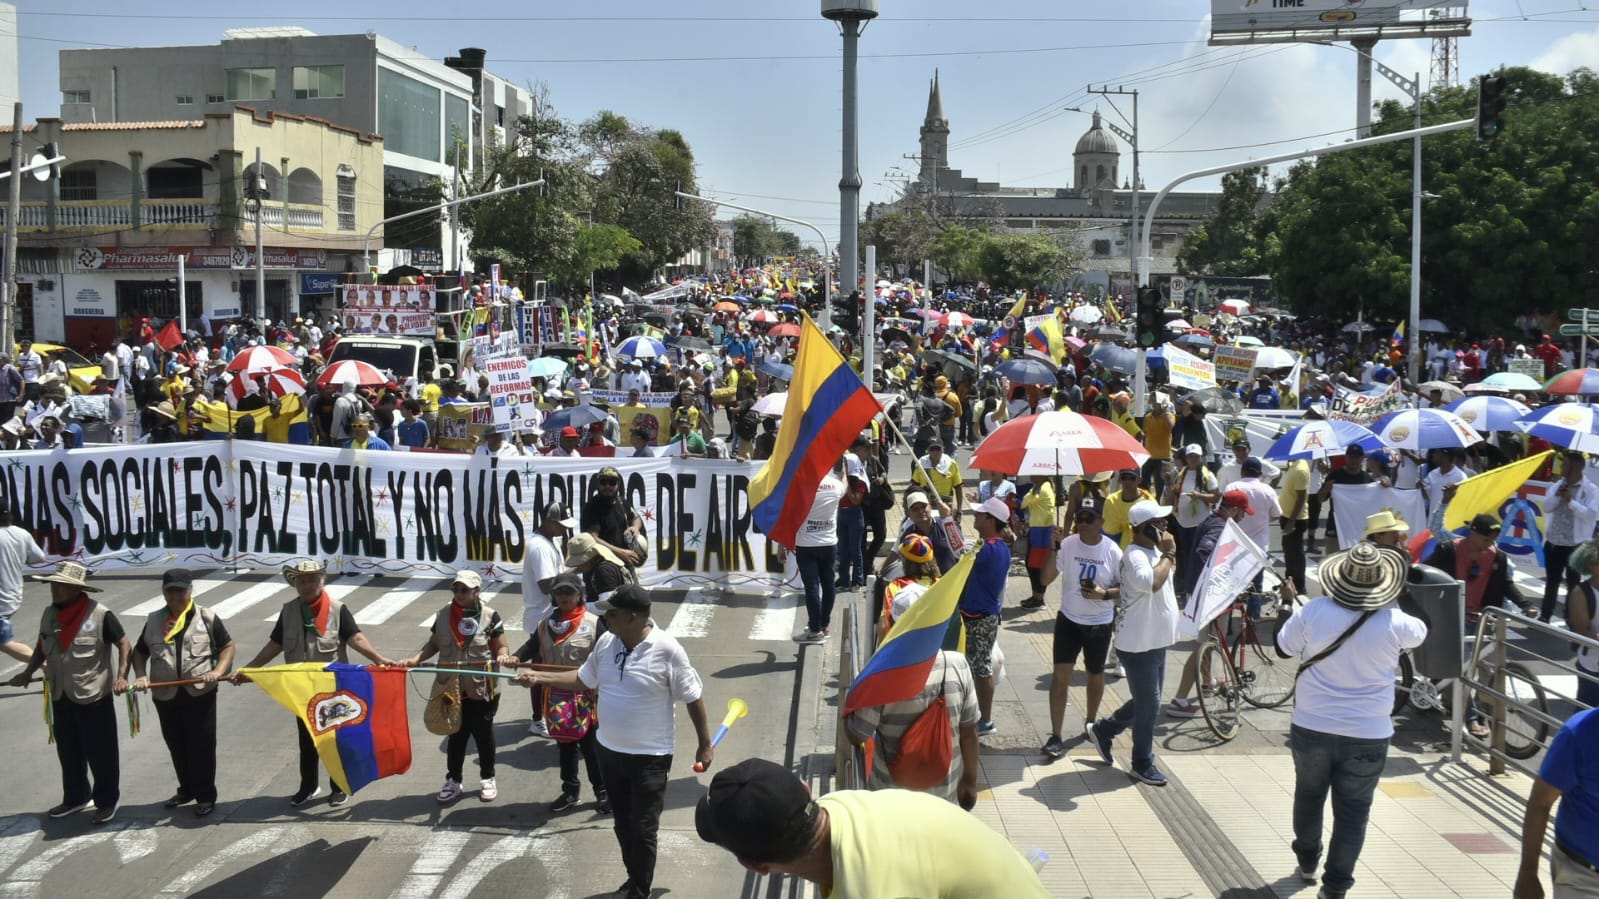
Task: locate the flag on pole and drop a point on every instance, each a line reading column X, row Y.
column 1232, row 566
column 355, row 714
column 1046, row 337
column 1487, row 492
column 827, row 407
column 898, row 669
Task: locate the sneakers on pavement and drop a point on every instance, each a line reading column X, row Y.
column 1325, row 893
column 538, row 728
column 490, row 790
column 105, row 815
column 1184, row 708
column 603, row 805
column 304, row 796
column 1101, row 743
column 987, row 728
column 566, row 802
column 450, row 792
column 1150, row 775
column 67, row 808
column 1306, row 875
column 810, row 636
column 204, row 808
column 338, row 798
column 1054, row 748
column 1033, row 602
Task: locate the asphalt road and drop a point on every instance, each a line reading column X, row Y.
column 393, row 838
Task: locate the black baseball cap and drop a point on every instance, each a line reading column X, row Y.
column 1485, row 524
column 558, row 512
column 567, row 580
column 1089, row 510
column 627, row 598
column 177, row 577
column 759, row 811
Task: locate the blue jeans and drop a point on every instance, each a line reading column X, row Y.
column 1349, row 767
column 815, row 564
column 851, row 546
column 1146, row 671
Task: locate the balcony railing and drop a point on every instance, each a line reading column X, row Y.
column 99, row 215
column 300, row 218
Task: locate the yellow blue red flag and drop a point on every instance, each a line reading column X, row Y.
column 898, row 669
column 1047, row 337
column 827, row 407
column 355, row 714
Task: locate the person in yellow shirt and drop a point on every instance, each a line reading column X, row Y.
column 1117, row 504
column 945, row 474
column 859, row 844
column 1123, row 416
column 1158, row 424
column 1039, row 507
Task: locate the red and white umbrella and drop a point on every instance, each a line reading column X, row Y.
column 263, row 358
column 959, row 320
column 279, row 382
column 1058, row 443
column 364, row 374
column 1234, row 307
column 763, row 317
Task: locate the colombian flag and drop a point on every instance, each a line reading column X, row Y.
column 1047, row 338
column 1487, row 492
column 828, row 405
column 221, row 419
column 898, row 670
column 355, row 714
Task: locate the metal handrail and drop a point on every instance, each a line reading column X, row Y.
column 1493, row 646
column 849, row 759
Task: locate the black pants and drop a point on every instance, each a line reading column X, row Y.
column 86, row 741
column 877, row 535
column 1294, row 554
column 1556, row 570
column 1315, row 513
column 1153, row 477
column 477, row 722
column 637, row 787
column 189, row 727
column 309, row 761
column 591, row 760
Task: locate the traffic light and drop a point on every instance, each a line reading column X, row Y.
column 1149, row 323
column 1490, row 106
column 847, row 311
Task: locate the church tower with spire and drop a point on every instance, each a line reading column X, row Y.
column 935, row 138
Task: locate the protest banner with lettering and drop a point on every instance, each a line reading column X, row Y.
column 1233, row 363
column 389, row 309
column 1365, row 408
column 1532, row 368
column 512, row 400
column 1184, row 369
column 218, row 504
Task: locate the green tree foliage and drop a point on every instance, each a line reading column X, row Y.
column 1230, row 243
column 604, row 170
column 1511, row 229
column 954, row 250
column 1015, row 260
column 756, row 239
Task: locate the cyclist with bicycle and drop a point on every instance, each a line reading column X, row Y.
column 1235, row 506
column 1349, row 643
column 1477, row 561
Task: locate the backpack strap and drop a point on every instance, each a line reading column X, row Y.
column 1350, row 632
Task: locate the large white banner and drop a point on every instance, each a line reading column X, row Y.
column 1231, row 568
column 1184, row 369
column 1353, row 502
column 216, row 504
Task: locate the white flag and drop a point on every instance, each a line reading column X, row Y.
column 1231, row 568
column 1353, row 502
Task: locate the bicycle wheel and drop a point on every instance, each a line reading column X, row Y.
column 1404, row 679
column 1221, row 704
column 1268, row 681
column 1524, row 733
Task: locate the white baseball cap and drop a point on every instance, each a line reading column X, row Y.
column 997, row 508
column 1145, row 511
column 1193, row 449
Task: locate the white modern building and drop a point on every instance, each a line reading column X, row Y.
column 10, row 71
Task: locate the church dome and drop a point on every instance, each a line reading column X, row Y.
column 1097, row 140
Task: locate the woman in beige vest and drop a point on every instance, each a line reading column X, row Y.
column 468, row 634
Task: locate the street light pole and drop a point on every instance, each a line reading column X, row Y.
column 366, row 245
column 851, row 16
column 827, row 317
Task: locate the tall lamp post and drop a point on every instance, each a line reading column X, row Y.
column 851, row 16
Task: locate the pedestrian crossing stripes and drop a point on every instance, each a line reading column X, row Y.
column 381, row 600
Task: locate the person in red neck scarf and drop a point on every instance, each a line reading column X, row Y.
column 467, row 634
column 75, row 639
column 566, row 637
column 313, row 627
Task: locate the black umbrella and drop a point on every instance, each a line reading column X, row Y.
column 689, row 343
column 560, row 349
column 890, row 335
column 1218, row 399
column 1113, row 357
column 1028, row 371
column 948, row 358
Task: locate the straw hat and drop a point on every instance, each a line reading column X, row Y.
column 303, row 566
column 1384, row 522
column 583, row 547
column 164, row 408
column 69, row 573
column 1365, row 576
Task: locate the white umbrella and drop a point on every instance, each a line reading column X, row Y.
column 1178, row 324
column 1087, row 315
column 1236, row 307
column 771, row 404
column 1248, row 340
column 1268, row 357
column 1432, row 325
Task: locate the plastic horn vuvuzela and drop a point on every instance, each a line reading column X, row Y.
column 736, row 709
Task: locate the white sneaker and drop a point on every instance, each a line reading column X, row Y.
column 450, row 792
column 489, row 792
column 538, row 728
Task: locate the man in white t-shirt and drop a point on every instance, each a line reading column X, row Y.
column 640, row 672
column 1440, row 481
column 1343, row 706
column 1262, row 507
column 1234, row 469
column 1090, row 565
column 541, row 562
column 1146, row 624
column 815, row 553
column 17, row 550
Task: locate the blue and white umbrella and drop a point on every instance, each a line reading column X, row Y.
column 1425, row 429
column 1321, row 439
column 641, row 348
column 1571, row 425
column 1489, row 413
column 546, row 367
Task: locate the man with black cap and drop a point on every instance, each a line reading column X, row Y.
column 611, row 519
column 76, row 634
column 859, row 844
column 1477, row 560
column 640, row 672
column 1349, row 643
column 185, row 641
column 1353, row 472
column 1191, row 427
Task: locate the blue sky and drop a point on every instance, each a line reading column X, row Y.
column 755, row 86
